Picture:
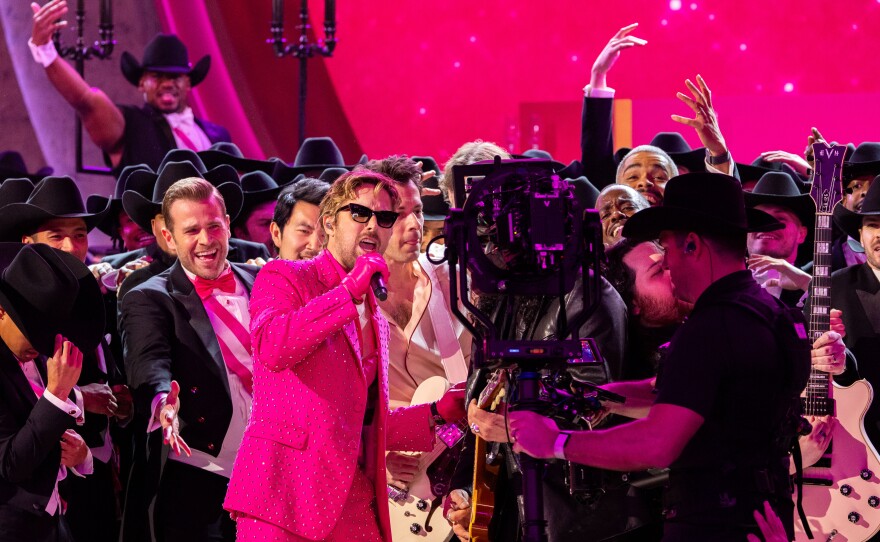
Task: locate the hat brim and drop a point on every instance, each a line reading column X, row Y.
column 850, row 221
column 802, row 206
column 18, row 219
column 133, row 71
column 648, row 223
column 140, row 210
column 213, row 158
column 85, row 327
column 110, row 223
column 693, row 160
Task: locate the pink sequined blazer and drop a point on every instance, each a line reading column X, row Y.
column 300, row 449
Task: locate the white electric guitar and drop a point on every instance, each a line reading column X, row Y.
column 841, row 493
column 417, row 512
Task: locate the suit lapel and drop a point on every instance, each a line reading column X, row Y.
column 245, row 276
column 12, row 372
column 182, row 290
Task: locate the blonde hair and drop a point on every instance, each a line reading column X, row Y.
column 469, row 153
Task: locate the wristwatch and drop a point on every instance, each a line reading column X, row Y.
column 559, row 445
column 435, row 414
column 716, row 160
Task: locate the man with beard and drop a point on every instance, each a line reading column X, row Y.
column 295, row 230
column 321, row 359
column 126, row 133
column 856, row 291
column 773, row 255
column 721, row 470
column 616, row 203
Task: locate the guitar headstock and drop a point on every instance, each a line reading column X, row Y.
column 494, row 391
column 827, row 189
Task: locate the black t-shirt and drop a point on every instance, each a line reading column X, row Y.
column 724, row 363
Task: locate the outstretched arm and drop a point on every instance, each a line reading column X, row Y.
column 101, row 118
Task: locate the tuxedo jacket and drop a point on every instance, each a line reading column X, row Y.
column 855, row 290
column 300, row 450
column 167, row 336
column 148, row 137
column 30, row 437
column 597, row 141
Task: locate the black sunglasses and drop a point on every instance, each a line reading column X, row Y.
column 361, row 214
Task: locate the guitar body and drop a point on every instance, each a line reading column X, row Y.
column 417, row 514
column 828, row 510
column 483, row 498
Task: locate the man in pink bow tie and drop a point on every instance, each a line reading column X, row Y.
column 186, row 341
column 312, row 462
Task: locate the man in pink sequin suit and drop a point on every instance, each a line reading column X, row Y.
column 307, row 468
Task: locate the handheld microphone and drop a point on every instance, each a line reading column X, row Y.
column 378, row 285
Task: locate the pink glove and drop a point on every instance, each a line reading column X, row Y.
column 357, row 282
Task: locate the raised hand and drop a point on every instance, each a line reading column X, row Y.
column 705, row 121
column 47, row 20
column 168, row 417
column 814, row 137
column 63, row 368
column 611, row 52
column 796, row 162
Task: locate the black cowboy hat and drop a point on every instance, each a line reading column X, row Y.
column 228, row 153
column 53, row 197
column 258, row 187
column 12, row 166
column 47, row 292
column 851, row 221
column 674, row 144
column 330, row 174
column 700, row 202
column 539, row 154
column 865, row 160
column 780, row 188
column 164, row 54
column 142, row 209
column 434, row 207
column 585, row 192
column 320, row 153
column 15, row 191
column 96, row 202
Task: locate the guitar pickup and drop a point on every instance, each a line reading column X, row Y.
column 819, row 406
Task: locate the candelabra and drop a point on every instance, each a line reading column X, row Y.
column 303, row 49
column 79, row 53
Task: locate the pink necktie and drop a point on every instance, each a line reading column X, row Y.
column 185, row 139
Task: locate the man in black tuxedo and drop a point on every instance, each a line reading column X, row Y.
column 43, row 293
column 185, row 333
column 855, row 290
column 129, row 134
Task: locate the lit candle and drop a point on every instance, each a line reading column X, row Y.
column 278, row 12
column 329, row 12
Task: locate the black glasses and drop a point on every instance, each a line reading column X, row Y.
column 359, row 213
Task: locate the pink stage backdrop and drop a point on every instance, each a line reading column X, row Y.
column 424, row 77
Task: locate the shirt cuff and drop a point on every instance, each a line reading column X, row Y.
column 80, row 404
column 67, row 406
column 44, row 54
column 591, row 92
column 155, row 407
column 86, row 467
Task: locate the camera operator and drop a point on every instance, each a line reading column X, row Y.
column 535, row 318
column 737, row 358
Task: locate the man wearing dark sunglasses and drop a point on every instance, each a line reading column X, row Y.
column 321, row 372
